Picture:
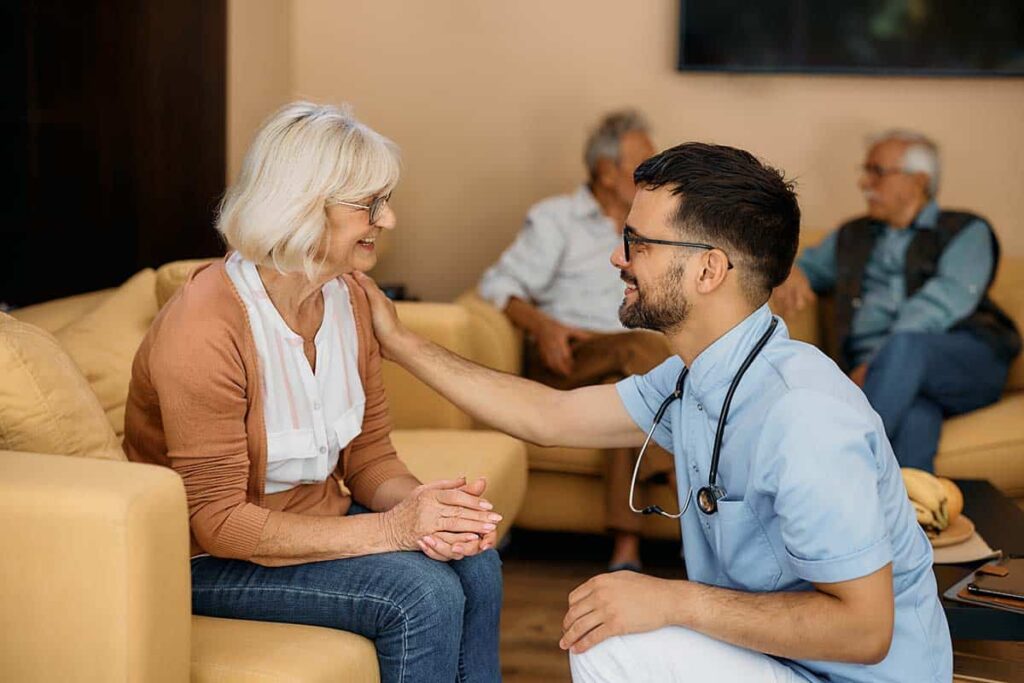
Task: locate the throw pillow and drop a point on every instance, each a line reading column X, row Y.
column 46, row 405
column 103, row 342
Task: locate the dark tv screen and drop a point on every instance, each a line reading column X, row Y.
column 928, row 37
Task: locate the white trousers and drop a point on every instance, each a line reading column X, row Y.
column 675, row 654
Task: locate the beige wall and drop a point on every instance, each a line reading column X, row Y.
column 259, row 69
column 490, row 102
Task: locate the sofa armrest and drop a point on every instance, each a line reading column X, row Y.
column 496, row 341
column 94, row 574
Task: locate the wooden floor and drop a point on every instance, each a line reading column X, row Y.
column 541, row 569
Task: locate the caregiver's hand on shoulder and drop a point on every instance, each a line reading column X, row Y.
column 388, row 329
column 614, row 605
column 441, row 506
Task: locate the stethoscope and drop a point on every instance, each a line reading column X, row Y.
column 707, row 496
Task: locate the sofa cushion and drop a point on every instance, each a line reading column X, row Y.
column 589, row 461
column 234, row 650
column 53, row 315
column 433, row 454
column 46, row 405
column 171, row 276
column 986, row 444
column 558, row 501
column 103, row 342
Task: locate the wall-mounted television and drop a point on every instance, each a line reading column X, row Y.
column 910, row 37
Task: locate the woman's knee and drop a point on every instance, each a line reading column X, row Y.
column 435, row 595
column 480, row 576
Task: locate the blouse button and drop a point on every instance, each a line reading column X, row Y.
column 323, row 449
column 316, row 405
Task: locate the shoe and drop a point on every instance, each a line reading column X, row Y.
column 626, row 567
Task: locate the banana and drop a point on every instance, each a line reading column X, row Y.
column 929, row 498
column 925, row 518
column 954, row 499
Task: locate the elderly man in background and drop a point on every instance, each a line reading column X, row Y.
column 555, row 283
column 913, row 324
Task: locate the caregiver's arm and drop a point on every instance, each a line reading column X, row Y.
column 588, row 417
column 847, row 621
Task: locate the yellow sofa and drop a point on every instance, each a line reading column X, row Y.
column 94, row 577
column 565, row 490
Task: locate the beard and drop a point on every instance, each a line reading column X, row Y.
column 662, row 307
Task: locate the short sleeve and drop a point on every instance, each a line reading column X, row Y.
column 642, row 395
column 816, row 458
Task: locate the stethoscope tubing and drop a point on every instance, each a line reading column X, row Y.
column 708, row 496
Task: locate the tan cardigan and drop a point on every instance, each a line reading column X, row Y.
column 195, row 404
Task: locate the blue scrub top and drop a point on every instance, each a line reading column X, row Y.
column 814, row 492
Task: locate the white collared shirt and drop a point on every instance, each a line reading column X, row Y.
column 310, row 417
column 560, row 262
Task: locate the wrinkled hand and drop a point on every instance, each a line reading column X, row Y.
column 554, row 341
column 444, row 546
column 859, row 374
column 440, row 506
column 616, row 604
column 388, row 329
column 794, row 294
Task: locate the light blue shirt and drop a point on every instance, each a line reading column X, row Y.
column 814, row 492
column 561, row 262
column 960, row 280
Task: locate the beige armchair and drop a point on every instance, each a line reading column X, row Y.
column 94, row 576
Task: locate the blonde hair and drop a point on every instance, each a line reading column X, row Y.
column 304, row 156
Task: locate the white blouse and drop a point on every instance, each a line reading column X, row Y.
column 310, row 417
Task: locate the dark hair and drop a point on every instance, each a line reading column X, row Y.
column 732, row 200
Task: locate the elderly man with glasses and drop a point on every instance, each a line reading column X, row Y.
column 913, row 324
column 804, row 559
column 555, row 283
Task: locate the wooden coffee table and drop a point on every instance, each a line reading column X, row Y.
column 1001, row 523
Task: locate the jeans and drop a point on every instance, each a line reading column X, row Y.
column 429, row 620
column 918, row 378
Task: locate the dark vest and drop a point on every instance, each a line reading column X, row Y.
column 854, row 245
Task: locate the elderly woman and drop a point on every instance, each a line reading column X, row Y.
column 260, row 384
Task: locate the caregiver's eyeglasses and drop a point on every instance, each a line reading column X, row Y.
column 630, row 236
column 374, row 207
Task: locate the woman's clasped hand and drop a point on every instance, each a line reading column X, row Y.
column 446, row 520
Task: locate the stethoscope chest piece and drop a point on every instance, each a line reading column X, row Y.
column 708, row 497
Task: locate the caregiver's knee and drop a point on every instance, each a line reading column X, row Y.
column 606, row 662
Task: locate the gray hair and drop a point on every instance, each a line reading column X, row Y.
column 605, row 140
column 920, row 156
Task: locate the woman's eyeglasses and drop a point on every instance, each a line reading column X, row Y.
column 630, row 236
column 374, row 207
